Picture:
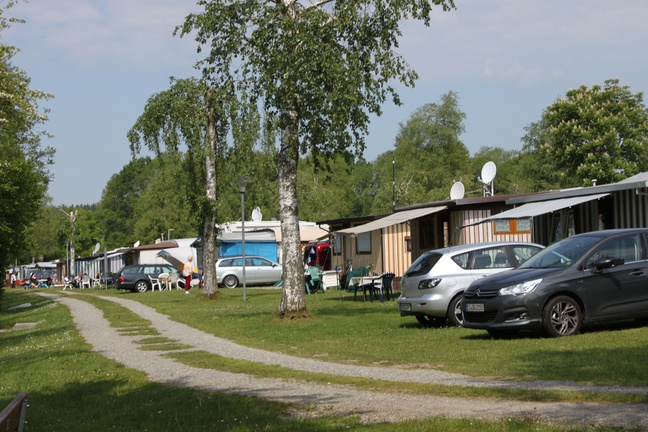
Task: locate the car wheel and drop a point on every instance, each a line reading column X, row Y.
column 141, row 286
column 455, row 314
column 230, row 281
column 561, row 317
column 430, row 321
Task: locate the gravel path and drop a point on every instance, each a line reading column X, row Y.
column 336, row 399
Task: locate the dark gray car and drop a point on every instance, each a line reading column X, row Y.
column 591, row 277
column 136, row 277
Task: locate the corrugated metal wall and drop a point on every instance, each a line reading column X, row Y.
column 396, row 258
column 479, row 233
column 631, row 209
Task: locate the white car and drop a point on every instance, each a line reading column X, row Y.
column 258, row 271
column 432, row 287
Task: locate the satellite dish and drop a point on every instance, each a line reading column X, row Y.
column 457, row 191
column 256, row 215
column 488, row 172
column 137, row 243
column 96, row 249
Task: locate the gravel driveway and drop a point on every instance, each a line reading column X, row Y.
column 336, row 399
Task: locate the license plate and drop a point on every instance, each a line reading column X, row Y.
column 405, row 307
column 474, row 307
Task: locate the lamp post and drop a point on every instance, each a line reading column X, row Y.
column 242, row 181
column 393, row 181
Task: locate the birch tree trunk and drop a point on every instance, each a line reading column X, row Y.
column 293, row 298
column 210, row 287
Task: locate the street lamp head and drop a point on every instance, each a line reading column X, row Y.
column 242, row 181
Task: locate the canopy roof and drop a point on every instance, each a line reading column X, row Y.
column 392, row 219
column 530, row 210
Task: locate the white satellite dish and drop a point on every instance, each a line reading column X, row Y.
column 96, row 249
column 256, row 215
column 457, row 191
column 488, row 172
column 487, row 175
column 137, row 243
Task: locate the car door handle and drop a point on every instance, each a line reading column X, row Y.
column 637, row 273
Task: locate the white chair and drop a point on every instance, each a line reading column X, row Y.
column 96, row 282
column 85, row 281
column 66, row 283
column 173, row 280
column 163, row 278
column 155, row 282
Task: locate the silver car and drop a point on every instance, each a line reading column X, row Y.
column 258, row 271
column 432, row 287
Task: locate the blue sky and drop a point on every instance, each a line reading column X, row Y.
column 507, row 60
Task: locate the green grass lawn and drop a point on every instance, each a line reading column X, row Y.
column 341, row 330
column 72, row 388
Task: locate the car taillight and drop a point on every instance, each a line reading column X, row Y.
column 121, row 279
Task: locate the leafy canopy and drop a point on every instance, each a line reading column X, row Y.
column 597, row 133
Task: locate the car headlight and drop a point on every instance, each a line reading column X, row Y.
column 429, row 283
column 521, row 288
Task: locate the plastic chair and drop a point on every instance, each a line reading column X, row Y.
column 386, row 286
column 155, row 282
column 313, row 281
column 96, row 282
column 355, row 287
column 66, row 283
column 85, row 281
column 173, row 280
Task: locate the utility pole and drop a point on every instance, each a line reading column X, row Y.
column 72, row 217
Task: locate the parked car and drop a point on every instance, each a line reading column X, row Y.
column 135, row 277
column 431, row 289
column 592, row 277
column 258, row 271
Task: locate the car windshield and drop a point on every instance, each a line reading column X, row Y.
column 562, row 254
column 424, row 264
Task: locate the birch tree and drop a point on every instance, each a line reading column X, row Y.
column 318, row 69
column 193, row 114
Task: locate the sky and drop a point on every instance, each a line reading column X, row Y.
column 506, row 59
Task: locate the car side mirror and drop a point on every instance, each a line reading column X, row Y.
column 605, row 263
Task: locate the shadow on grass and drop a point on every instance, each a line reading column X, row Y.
column 590, row 329
column 112, row 404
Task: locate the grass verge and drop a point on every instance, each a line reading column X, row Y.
column 72, row 388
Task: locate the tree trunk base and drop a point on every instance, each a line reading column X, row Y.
column 211, row 296
column 294, row 315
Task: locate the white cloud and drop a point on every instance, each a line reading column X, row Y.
column 525, row 43
column 121, row 34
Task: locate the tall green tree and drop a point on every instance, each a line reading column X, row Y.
column 117, row 208
column 429, row 155
column 319, row 69
column 24, row 161
column 597, row 133
column 162, row 204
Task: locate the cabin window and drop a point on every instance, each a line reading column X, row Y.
column 512, row 226
column 363, row 243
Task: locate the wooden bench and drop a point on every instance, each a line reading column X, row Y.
column 12, row 418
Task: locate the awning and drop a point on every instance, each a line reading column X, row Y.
column 531, row 210
column 393, row 219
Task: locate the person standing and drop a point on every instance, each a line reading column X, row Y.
column 187, row 270
column 13, row 279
